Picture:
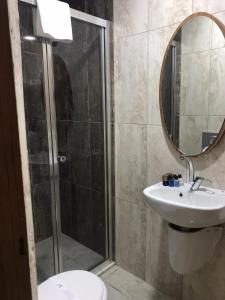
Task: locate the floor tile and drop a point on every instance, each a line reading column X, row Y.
column 129, row 286
column 75, row 257
column 113, row 294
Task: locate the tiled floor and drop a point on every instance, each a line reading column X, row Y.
column 75, row 257
column 122, row 285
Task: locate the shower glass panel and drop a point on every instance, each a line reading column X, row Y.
column 80, row 131
column 38, row 147
column 66, row 118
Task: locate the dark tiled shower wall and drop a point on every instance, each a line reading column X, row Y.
column 99, row 8
column 82, row 183
column 78, row 95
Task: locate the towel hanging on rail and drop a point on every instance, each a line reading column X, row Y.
column 53, row 20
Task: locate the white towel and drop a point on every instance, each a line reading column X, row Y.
column 53, row 20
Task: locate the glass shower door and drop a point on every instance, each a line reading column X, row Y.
column 64, row 94
column 78, row 93
column 38, row 144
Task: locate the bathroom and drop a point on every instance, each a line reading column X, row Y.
column 95, row 128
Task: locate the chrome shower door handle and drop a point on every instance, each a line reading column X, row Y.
column 62, row 159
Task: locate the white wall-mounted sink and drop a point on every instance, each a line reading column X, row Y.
column 177, row 205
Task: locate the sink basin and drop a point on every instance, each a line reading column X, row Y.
column 197, row 209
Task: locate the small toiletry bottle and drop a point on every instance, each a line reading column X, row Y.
column 176, row 181
column 165, row 180
column 171, row 181
column 180, row 180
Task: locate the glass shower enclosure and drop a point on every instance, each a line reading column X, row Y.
column 67, row 109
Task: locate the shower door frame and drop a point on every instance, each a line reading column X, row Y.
column 52, row 135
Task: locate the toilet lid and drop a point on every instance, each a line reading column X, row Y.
column 72, row 285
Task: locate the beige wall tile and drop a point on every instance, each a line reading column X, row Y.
column 194, row 88
column 130, row 83
column 158, row 41
column 211, row 6
column 212, row 165
column 215, row 123
column 168, row 12
column 130, row 17
column 146, row 153
column 130, row 237
column 217, row 86
column 158, row 270
column 131, row 163
column 218, row 40
column 161, row 157
column 196, row 35
column 215, row 5
column 200, row 5
column 191, row 129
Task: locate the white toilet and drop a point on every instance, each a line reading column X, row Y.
column 73, row 285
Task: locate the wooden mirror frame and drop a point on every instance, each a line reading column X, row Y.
column 222, row 130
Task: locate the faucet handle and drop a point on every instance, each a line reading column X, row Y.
column 198, row 182
column 200, row 178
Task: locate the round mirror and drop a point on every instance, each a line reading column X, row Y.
column 192, row 85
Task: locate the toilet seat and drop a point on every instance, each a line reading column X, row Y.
column 73, row 285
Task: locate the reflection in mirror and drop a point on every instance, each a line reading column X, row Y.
column 193, row 85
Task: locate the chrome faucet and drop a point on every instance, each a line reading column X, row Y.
column 190, row 168
column 198, row 182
